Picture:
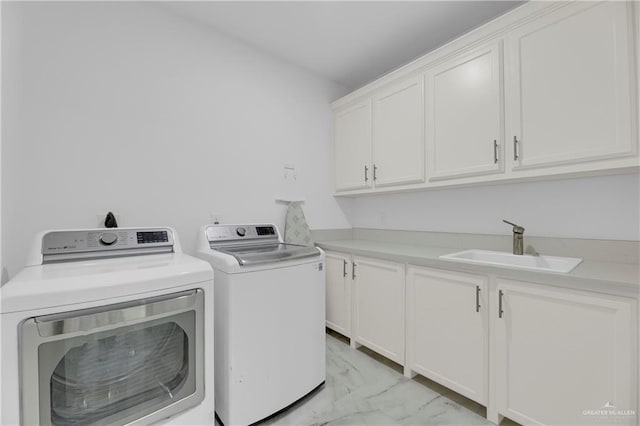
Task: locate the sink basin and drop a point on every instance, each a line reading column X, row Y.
column 508, row 260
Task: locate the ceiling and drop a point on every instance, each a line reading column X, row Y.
column 348, row 42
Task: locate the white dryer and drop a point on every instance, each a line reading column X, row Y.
column 269, row 320
column 108, row 326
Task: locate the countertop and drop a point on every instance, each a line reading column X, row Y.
column 618, row 279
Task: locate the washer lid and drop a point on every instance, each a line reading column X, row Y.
column 248, row 255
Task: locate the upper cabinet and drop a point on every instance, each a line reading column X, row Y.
column 550, row 88
column 398, row 133
column 570, row 86
column 464, row 117
column 352, row 134
column 379, row 141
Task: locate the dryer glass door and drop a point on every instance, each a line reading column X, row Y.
column 117, row 364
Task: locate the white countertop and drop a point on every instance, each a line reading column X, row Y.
column 620, row 279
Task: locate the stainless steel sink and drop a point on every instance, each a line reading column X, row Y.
column 508, row 260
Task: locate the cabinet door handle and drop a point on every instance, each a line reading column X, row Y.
column 477, row 298
column 353, row 271
column 500, row 311
column 515, row 148
column 375, row 172
column 495, row 151
column 366, row 173
column 344, row 268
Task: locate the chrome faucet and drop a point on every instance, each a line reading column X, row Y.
column 518, row 242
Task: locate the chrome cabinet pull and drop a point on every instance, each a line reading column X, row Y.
column 353, row 271
column 500, row 311
column 477, row 298
column 515, row 148
column 366, row 174
column 495, row 151
column 344, row 268
column 375, row 172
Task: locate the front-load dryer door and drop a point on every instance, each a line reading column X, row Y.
column 113, row 365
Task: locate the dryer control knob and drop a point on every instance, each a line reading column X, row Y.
column 241, row 231
column 108, row 238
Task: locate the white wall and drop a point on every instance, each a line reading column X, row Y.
column 1, row 129
column 596, row 207
column 125, row 107
column 11, row 71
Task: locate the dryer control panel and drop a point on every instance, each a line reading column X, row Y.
column 104, row 242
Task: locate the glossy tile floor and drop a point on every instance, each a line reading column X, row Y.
column 363, row 388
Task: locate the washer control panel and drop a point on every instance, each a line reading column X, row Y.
column 239, row 233
column 107, row 239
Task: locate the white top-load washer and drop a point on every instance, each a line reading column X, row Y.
column 108, row 326
column 269, row 320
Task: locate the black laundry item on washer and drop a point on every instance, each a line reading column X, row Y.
column 110, row 221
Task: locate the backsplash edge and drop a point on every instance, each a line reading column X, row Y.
column 617, row 251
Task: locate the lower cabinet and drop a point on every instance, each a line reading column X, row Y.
column 378, row 306
column 448, row 329
column 365, row 302
column 338, row 293
column 534, row 353
column 563, row 356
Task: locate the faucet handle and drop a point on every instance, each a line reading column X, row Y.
column 516, row 228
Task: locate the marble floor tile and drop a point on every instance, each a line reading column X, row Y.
column 364, row 389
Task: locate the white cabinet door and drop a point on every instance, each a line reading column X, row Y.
column 378, row 321
column 570, row 86
column 352, row 138
column 563, row 355
column 338, row 315
column 447, row 329
column 398, row 133
column 464, row 115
